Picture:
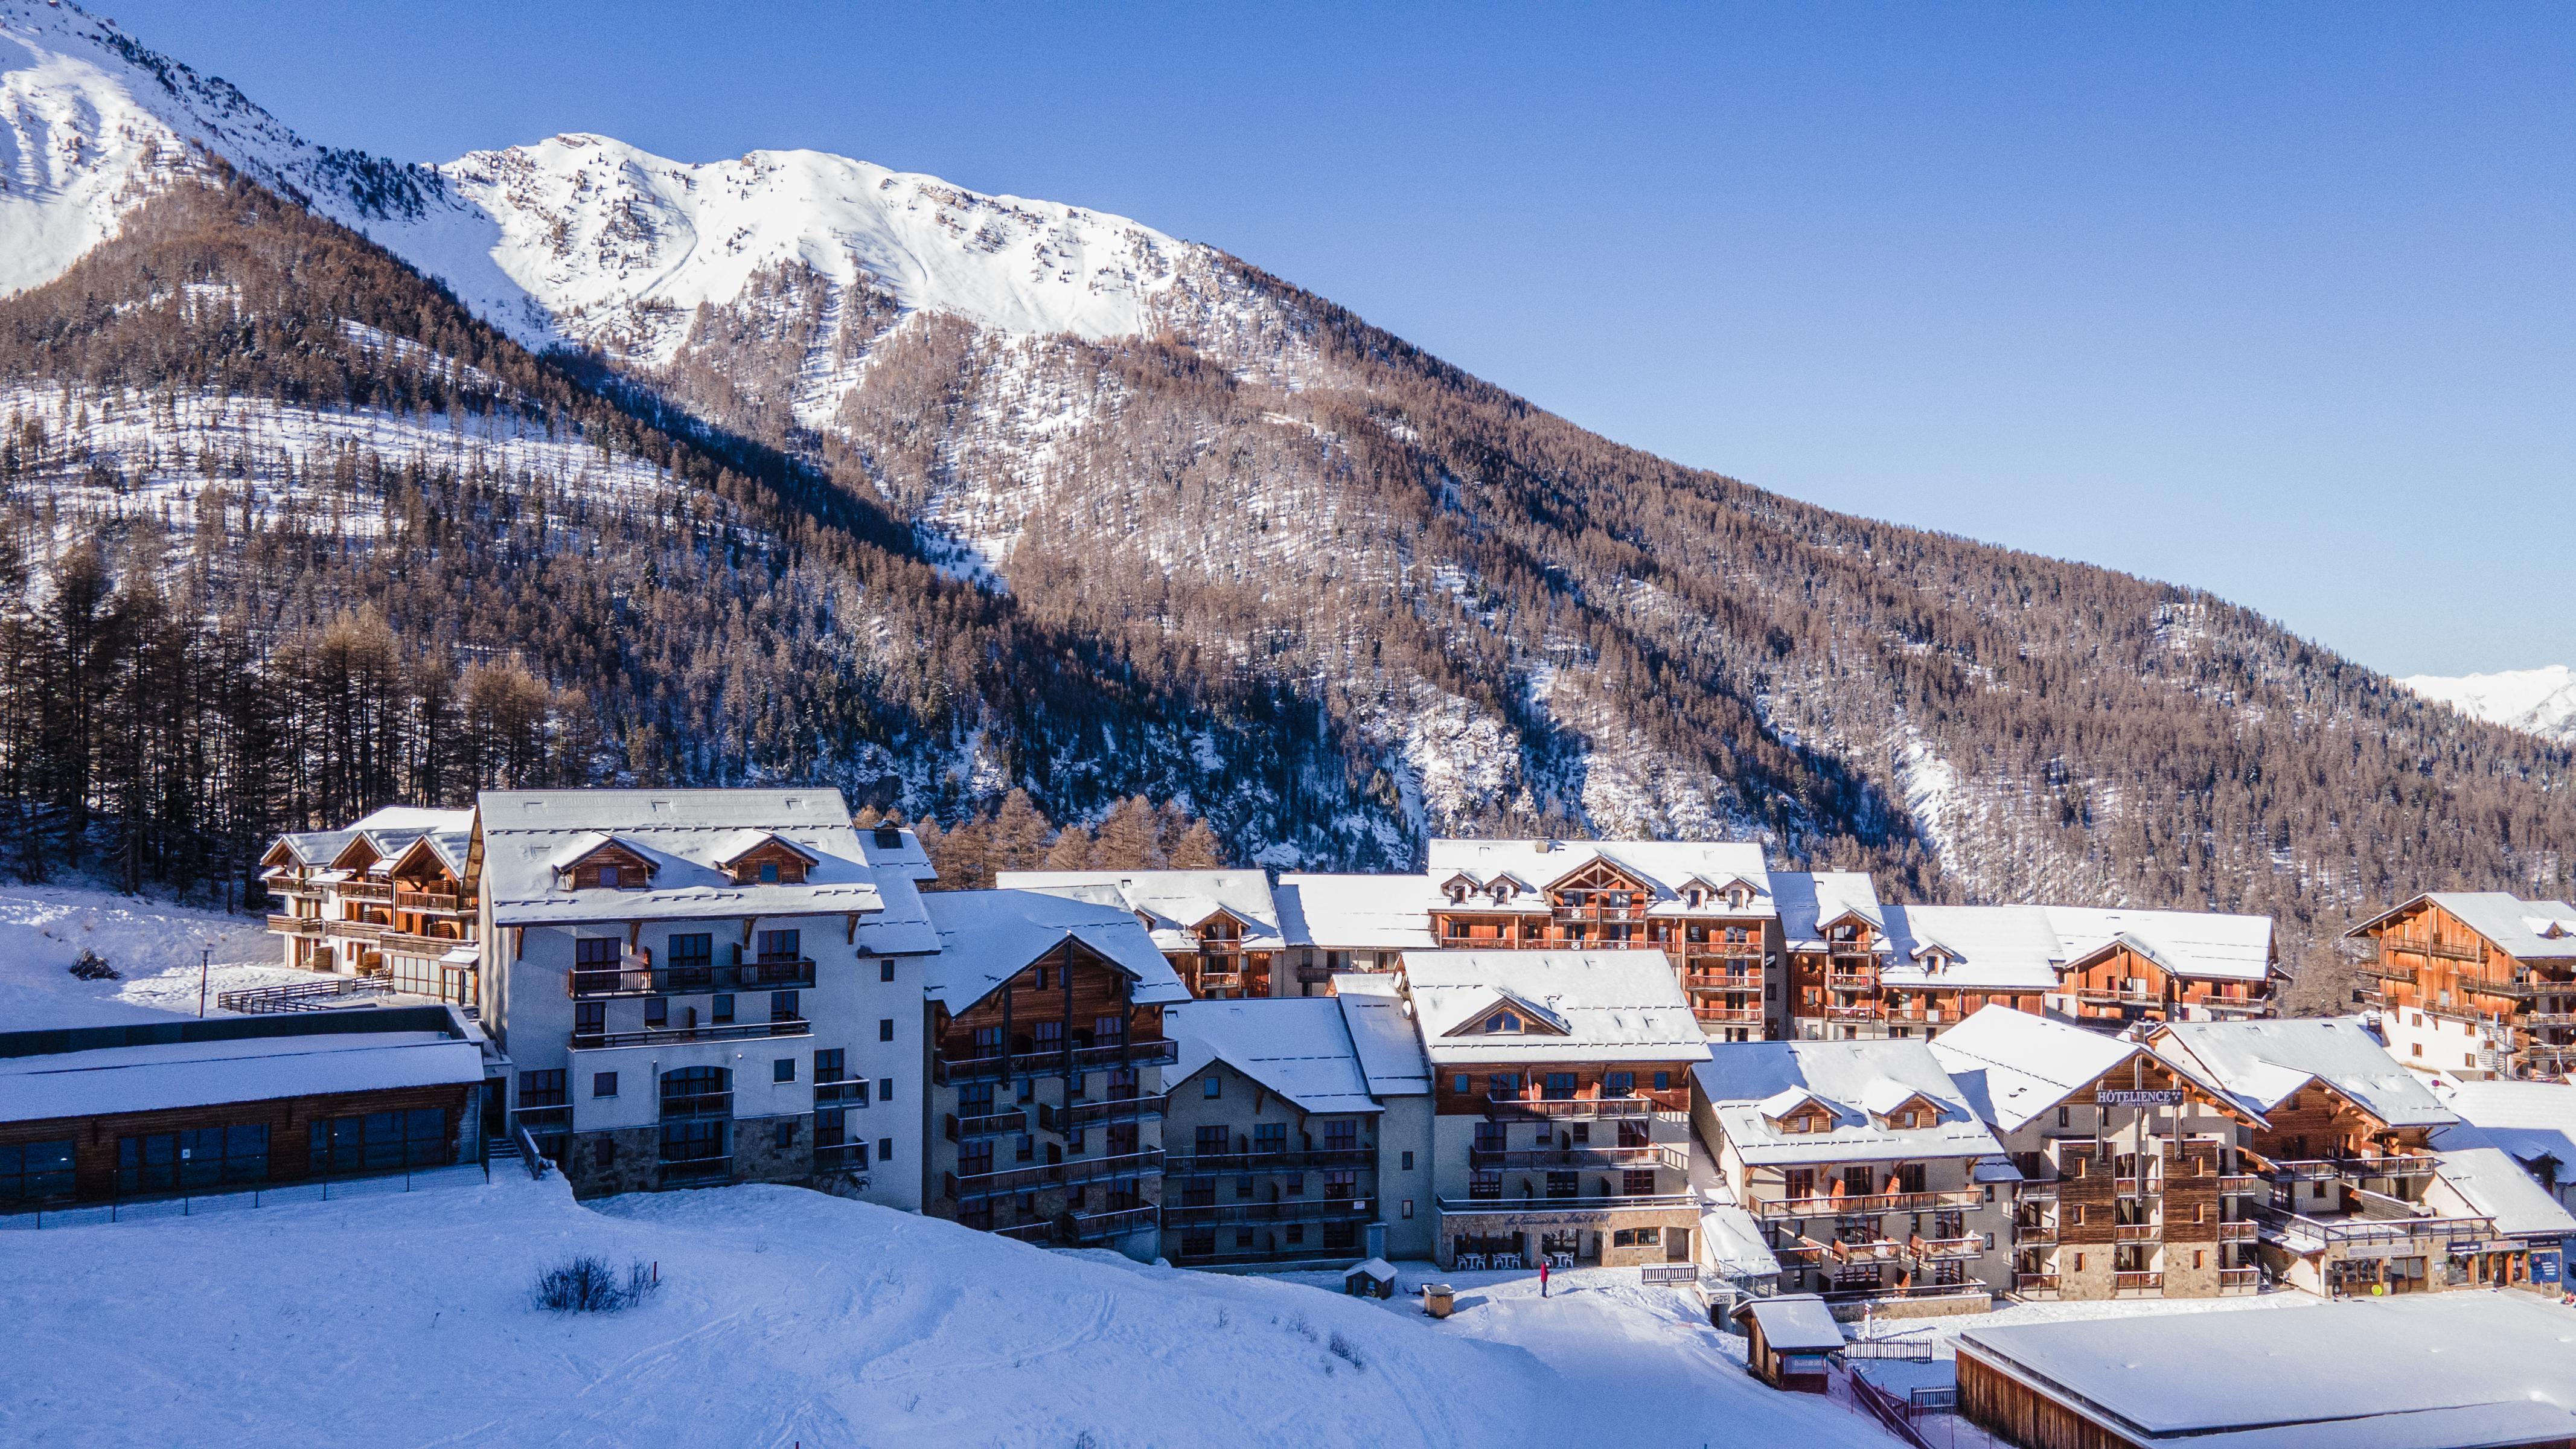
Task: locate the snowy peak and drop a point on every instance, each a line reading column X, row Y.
column 93, row 123
column 618, row 246
column 2536, row 701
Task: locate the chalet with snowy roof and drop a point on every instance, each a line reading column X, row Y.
column 1334, row 924
column 1218, row 928
column 706, row 986
column 2123, row 966
column 1048, row 1055
column 2427, row 1373
column 2126, row 1175
column 2534, row 1123
column 2476, row 984
column 1834, row 947
column 1871, row 1174
column 384, row 899
column 187, row 1107
column 1560, row 1089
column 2342, row 1143
column 1277, row 1142
column 1706, row 904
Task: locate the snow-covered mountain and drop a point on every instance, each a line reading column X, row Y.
column 2536, row 701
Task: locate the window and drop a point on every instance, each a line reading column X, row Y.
column 885, row 1093
column 885, row 1149
column 1636, row 1237
column 603, row 1084
column 1212, row 1086
column 542, row 1089
column 769, row 873
column 722, row 1009
column 783, row 1070
column 1619, row 1084
column 1408, row 1207
column 1560, row 1087
column 1504, row 1084
column 690, row 960
column 828, row 1125
column 782, row 1006
column 1296, row 1233
column 589, row 1018
column 1342, row 1135
column 608, row 877
column 197, row 1158
column 786, row 1134
column 657, row 1011
column 1041, row 978
column 603, row 1153
column 781, row 945
column 885, row 969
column 885, row 1028
column 35, row 1171
column 1663, row 1081
column 827, row 1066
column 1458, row 1084
column 379, row 1141
column 1502, row 1021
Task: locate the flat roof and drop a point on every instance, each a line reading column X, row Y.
column 2465, row 1368
column 97, row 1071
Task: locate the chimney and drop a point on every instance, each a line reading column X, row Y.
column 1377, row 1240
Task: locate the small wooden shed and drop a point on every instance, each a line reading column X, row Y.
column 1372, row 1279
column 1786, row 1340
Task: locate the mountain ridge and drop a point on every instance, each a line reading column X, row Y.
column 2538, row 701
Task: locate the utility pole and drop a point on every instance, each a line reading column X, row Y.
column 205, row 959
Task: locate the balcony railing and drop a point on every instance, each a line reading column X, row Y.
column 2137, row 1232
column 447, row 903
column 1728, row 1015
column 2450, row 1231
column 2035, row 1285
column 1884, row 1202
column 2037, row 1234
column 1242, row 1162
column 1749, row 979
column 1845, row 980
column 681, row 1035
column 356, row 890
column 2118, row 996
column 2240, row 1231
column 355, row 930
column 2328, row 1169
column 2139, row 1282
column 827, row 1093
column 1285, row 1210
column 688, row 1106
column 2239, row 1184
column 2239, row 1280
column 1967, row 1247
column 638, row 977
column 964, row 1186
column 1528, row 1206
column 1874, row 1250
column 305, row 927
column 1651, row 1154
column 1035, row 1063
column 1502, row 1109
column 992, row 1124
column 1101, row 1226
column 697, row 1169
column 836, row 1156
column 1079, row 1115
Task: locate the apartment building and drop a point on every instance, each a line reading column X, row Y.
column 1218, row 928
column 1047, row 1061
column 1833, row 946
column 385, row 899
column 1273, row 1138
column 1874, row 1180
column 2130, row 1179
column 1707, row 905
column 2352, row 1200
column 1348, row 923
column 2476, row 984
column 706, row 986
column 1560, row 1104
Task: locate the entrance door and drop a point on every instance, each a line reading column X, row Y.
column 1677, row 1247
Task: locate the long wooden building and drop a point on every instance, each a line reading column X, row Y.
column 2475, row 984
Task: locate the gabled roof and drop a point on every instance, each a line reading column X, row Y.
column 447, row 848
column 1811, row 900
column 1795, row 1323
column 2524, row 930
column 2496, row 1186
column 2015, row 1067
column 1177, row 902
column 310, row 848
column 2205, row 945
column 1355, row 912
column 524, row 836
column 1297, row 1046
column 1661, row 866
column 1616, row 1005
column 1545, row 1017
column 988, row 937
column 744, row 842
column 1989, row 948
column 2262, row 1063
column 1748, row 1085
column 2528, row 1120
column 177, row 1074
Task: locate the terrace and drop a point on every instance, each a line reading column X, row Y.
column 1009, row 1066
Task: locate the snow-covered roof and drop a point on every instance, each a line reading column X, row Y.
column 1795, row 1323
column 1356, row 912
column 2014, row 1066
column 312, row 848
column 529, row 836
column 2261, row 1063
column 1981, row 947
column 1381, row 1028
column 988, row 937
column 1736, row 1244
column 1811, row 900
column 2201, row 944
column 1664, row 866
column 1749, row 1085
column 2429, row 1371
column 415, row 820
column 2496, row 1186
column 209, row 1073
column 1297, row 1046
column 1615, row 1006
column 1177, row 900
column 2530, row 1120
column 2524, row 930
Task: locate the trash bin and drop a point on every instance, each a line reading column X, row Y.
column 1438, row 1299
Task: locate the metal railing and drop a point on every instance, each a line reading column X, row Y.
column 1514, row 1108
column 639, row 978
column 326, row 994
column 2137, row 1232
column 695, row 1106
column 2037, row 1284
column 1528, row 1205
column 992, row 1124
column 696, row 1169
column 195, row 1204
column 2239, row 1280
column 1299, row 1161
column 681, row 1035
column 1884, row 1202
column 1961, row 1247
column 2241, row 1231
column 2137, row 1282
column 2447, row 1230
column 1285, row 1210
column 1077, row 1115
column 963, row 1186
column 1052, row 1062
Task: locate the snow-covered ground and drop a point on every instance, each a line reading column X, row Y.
column 153, row 945
column 2537, row 701
column 788, row 1317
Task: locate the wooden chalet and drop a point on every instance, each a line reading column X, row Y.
column 385, row 899
column 1834, row 942
column 1219, row 929
column 1789, row 1340
column 2476, row 984
column 1047, row 1055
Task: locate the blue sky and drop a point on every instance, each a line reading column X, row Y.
column 2274, row 300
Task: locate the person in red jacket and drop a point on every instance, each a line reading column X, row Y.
column 1542, row 1277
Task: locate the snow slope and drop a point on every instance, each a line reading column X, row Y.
column 574, row 239
column 2537, row 701
column 787, row 1317
column 153, row 946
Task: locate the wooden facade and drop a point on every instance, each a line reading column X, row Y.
column 109, row 1161
column 1220, row 967
column 2517, row 1018
column 2119, row 984
column 1834, row 990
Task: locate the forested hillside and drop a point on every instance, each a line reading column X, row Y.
column 937, row 497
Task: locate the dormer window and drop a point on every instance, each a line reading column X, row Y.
column 1738, row 897
column 1502, row 1021
column 769, row 872
column 608, row 877
column 1457, row 895
column 1693, row 896
column 889, row 837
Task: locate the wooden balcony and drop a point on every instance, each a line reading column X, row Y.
column 1870, row 1250
column 2036, row 1234
column 1885, row 1202
column 2240, row 1231
column 436, row 903
column 1655, row 1154
column 303, row 928
column 2239, row 1184
column 1013, row 1065
column 1282, row 1210
column 1749, row 979
column 1243, row 1162
column 2119, row 996
column 1841, row 979
column 2239, row 1280
column 1565, row 1109
column 1613, row 1203
column 994, row 1124
column 359, row 890
column 964, row 1187
column 2140, row 1283
column 2138, row 1232
column 1728, row 1015
column 1966, row 1247
column 1855, row 1013
column 355, row 930
column 2035, row 1285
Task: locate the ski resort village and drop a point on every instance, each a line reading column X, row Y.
column 1549, row 1136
